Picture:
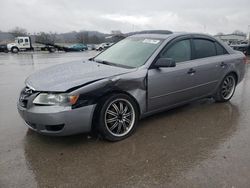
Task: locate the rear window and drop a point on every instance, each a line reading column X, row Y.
column 204, row 48
column 220, row 50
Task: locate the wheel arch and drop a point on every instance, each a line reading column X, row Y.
column 221, row 79
column 107, row 94
column 112, row 92
column 235, row 74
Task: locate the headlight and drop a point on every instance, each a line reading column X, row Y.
column 55, row 99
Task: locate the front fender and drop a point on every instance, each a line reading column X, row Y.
column 9, row 46
column 134, row 84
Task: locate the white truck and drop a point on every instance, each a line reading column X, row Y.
column 20, row 44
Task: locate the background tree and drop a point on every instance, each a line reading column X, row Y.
column 94, row 40
column 238, row 32
column 18, row 31
column 47, row 38
column 220, row 33
column 82, row 37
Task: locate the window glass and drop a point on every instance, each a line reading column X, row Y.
column 180, row 51
column 220, row 49
column 204, row 48
column 130, row 52
column 26, row 40
column 20, row 40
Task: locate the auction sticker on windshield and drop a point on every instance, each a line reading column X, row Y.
column 151, row 41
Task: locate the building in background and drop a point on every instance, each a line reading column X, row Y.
column 232, row 38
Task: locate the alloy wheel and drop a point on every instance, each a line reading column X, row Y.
column 228, row 87
column 119, row 117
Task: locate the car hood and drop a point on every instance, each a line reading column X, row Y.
column 63, row 77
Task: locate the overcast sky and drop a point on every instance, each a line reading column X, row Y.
column 208, row 16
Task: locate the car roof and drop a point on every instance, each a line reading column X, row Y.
column 172, row 35
column 179, row 34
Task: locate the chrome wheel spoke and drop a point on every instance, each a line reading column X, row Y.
column 127, row 115
column 124, row 126
column 127, row 120
column 112, row 113
column 112, row 120
column 224, row 86
column 125, row 109
column 114, row 126
column 115, row 107
column 121, row 107
column 119, row 128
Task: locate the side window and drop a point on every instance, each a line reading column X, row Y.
column 26, row 40
column 20, row 40
column 179, row 51
column 204, row 48
column 220, row 50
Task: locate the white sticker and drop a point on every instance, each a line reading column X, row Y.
column 151, row 41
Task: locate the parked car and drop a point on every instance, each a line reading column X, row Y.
column 137, row 77
column 103, row 46
column 3, row 48
column 245, row 48
column 91, row 46
column 78, row 47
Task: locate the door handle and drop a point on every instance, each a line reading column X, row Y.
column 191, row 71
column 223, row 65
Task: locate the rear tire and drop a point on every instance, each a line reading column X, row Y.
column 117, row 117
column 226, row 89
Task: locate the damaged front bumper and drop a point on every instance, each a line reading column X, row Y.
column 58, row 120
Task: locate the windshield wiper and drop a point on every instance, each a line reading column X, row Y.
column 112, row 64
column 100, row 61
column 103, row 62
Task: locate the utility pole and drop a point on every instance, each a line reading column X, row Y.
column 248, row 34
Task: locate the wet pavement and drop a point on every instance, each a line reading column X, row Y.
column 204, row 144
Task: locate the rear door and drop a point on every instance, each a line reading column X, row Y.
column 208, row 65
column 26, row 42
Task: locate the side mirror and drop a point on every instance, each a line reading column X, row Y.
column 165, row 62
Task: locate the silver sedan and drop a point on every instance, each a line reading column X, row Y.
column 137, row 77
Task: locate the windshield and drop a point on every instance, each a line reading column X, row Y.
column 131, row 52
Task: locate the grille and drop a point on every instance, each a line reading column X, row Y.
column 24, row 96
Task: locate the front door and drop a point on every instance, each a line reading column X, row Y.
column 172, row 85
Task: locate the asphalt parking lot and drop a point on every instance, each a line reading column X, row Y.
column 204, row 144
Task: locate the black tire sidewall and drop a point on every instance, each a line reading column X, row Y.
column 101, row 127
column 12, row 50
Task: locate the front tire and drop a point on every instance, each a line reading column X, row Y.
column 117, row 117
column 14, row 50
column 226, row 89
